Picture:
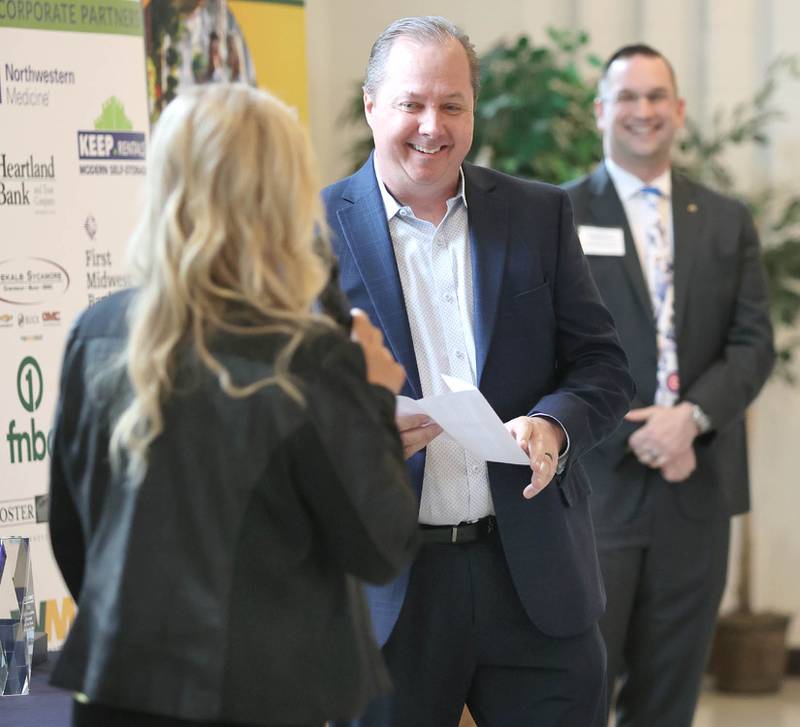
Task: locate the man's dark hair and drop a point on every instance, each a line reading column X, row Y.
column 636, row 49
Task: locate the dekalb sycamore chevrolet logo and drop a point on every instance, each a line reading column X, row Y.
column 112, row 138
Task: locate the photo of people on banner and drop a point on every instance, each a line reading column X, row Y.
column 190, row 43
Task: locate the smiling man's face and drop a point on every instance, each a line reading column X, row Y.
column 421, row 117
column 639, row 114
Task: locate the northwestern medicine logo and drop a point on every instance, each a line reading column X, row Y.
column 23, row 84
column 113, row 138
column 30, row 444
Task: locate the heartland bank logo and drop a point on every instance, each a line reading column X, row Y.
column 112, row 138
column 21, row 178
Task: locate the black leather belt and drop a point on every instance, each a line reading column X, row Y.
column 461, row 533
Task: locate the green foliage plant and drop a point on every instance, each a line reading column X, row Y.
column 534, row 117
column 701, row 155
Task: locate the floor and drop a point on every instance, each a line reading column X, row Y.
column 775, row 710
column 49, row 707
column 717, row 709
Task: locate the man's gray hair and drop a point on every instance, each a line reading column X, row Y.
column 421, row 29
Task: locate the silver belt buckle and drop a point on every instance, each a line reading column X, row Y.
column 454, row 536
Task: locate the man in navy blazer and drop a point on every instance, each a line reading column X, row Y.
column 476, row 274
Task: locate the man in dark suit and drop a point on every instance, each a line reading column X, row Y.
column 678, row 267
column 475, row 274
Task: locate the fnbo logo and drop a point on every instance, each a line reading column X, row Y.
column 31, row 445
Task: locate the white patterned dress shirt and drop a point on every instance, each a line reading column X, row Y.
column 628, row 187
column 435, row 269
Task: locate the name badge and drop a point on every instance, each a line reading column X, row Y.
column 602, row 240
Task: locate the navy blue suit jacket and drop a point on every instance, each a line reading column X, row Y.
column 544, row 343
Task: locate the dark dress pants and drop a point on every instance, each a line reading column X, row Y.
column 463, row 637
column 664, row 587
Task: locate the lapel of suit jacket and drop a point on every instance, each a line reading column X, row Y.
column 686, row 222
column 607, row 211
column 366, row 233
column 488, row 233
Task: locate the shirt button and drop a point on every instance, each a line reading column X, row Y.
column 475, row 469
column 403, row 212
column 448, row 297
column 459, row 355
column 440, row 244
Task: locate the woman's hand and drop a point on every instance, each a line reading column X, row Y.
column 382, row 369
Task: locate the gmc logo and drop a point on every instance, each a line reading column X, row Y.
column 51, row 316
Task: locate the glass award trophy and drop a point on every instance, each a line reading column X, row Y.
column 17, row 616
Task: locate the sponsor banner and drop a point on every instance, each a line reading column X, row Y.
column 108, row 17
column 258, row 42
column 73, row 110
column 276, row 33
column 74, row 114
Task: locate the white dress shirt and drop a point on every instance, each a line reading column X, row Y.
column 629, row 188
column 435, row 269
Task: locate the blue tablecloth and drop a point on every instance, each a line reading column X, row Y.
column 45, row 706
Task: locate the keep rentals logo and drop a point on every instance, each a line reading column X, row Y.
column 113, row 138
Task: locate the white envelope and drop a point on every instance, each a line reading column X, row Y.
column 468, row 418
column 602, row 240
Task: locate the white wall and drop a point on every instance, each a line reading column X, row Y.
column 720, row 49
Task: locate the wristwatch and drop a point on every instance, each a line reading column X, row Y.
column 700, row 418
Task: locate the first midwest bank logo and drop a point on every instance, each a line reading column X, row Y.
column 113, row 138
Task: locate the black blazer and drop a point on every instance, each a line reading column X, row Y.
column 724, row 337
column 222, row 588
column 544, row 343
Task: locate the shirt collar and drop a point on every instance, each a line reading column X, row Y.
column 392, row 206
column 629, row 185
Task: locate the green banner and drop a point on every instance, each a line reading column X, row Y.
column 113, row 17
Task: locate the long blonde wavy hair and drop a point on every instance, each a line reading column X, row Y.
column 228, row 242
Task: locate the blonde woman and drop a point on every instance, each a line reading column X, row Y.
column 225, row 462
